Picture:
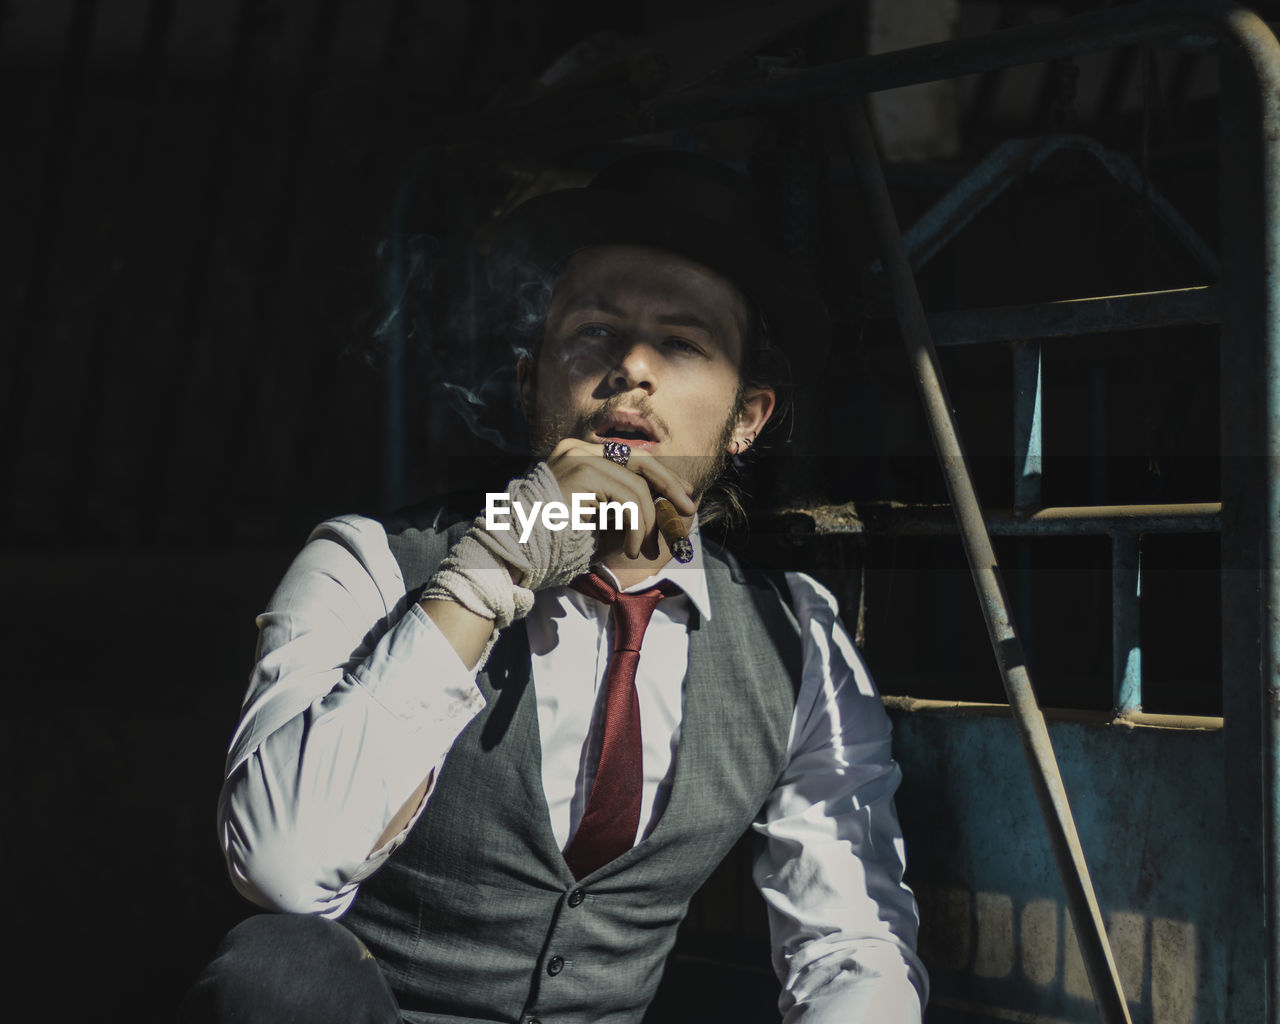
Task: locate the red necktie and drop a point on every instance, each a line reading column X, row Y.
column 612, row 815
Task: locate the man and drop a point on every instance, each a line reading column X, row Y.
column 474, row 795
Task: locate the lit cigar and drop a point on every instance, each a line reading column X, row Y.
column 672, row 527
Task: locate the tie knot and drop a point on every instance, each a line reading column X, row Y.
column 631, row 612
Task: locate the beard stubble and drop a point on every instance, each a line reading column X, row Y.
column 545, row 432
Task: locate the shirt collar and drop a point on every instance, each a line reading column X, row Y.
column 690, row 577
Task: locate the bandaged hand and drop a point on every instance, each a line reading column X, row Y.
column 494, row 575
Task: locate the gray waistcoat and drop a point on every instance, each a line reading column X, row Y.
column 477, row 917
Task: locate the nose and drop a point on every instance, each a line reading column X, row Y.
column 634, row 368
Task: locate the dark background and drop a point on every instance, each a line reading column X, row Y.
column 203, row 203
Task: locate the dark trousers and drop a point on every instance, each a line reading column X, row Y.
column 284, row 968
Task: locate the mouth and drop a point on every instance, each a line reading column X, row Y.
column 630, row 427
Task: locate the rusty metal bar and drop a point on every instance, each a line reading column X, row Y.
column 1129, row 719
column 1073, row 317
column 1045, row 777
column 892, row 519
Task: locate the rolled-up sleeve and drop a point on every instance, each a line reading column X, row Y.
column 355, row 699
column 843, row 923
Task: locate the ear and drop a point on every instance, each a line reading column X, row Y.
column 525, row 384
column 757, row 407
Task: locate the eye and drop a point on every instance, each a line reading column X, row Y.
column 595, row 331
column 681, row 345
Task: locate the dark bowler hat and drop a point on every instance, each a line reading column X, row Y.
column 688, row 204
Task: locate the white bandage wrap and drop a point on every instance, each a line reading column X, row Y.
column 475, row 574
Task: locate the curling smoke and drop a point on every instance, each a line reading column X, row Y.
column 408, row 284
column 455, row 340
column 471, row 405
column 520, row 295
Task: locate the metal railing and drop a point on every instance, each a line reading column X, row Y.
column 1249, row 304
column 1046, row 779
column 1250, row 340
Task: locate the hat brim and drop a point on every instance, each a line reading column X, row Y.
column 545, row 230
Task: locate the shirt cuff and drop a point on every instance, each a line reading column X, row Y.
column 437, row 702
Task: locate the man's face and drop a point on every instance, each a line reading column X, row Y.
column 643, row 346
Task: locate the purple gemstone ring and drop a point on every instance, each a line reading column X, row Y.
column 616, row 451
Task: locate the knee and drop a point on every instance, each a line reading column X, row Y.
column 290, row 967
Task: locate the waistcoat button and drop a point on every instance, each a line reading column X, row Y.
column 576, row 897
column 555, row 965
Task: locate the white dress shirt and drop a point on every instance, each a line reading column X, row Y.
column 357, row 696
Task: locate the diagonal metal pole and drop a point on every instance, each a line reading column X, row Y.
column 1043, row 765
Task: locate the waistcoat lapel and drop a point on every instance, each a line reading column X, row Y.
column 511, row 721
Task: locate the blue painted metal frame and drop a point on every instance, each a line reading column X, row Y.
column 1251, row 428
column 1010, row 161
column 1006, row 642
column 1070, row 318
column 1026, row 326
